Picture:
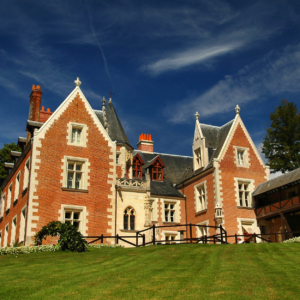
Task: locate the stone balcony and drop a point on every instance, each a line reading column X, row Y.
column 131, row 184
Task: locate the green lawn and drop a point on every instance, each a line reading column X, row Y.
column 247, row 271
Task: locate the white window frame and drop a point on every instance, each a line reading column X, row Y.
column 83, row 138
column 26, row 174
column 247, row 222
column 9, row 194
column 6, row 230
column 83, row 216
column 13, row 230
column 200, row 206
column 250, row 183
column 202, row 231
column 84, row 171
column 245, row 163
column 174, row 234
column 198, row 158
column 2, row 211
column 170, row 210
column 22, row 224
column 17, row 186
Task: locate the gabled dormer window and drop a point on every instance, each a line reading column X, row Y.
column 137, row 168
column 157, row 170
column 198, row 160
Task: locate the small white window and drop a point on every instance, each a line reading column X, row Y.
column 77, row 134
column 169, row 212
column 13, row 230
column 17, row 186
column 9, row 197
column 26, row 174
column 240, row 154
column 170, row 238
column 75, row 175
column 6, row 235
column 244, row 194
column 22, row 225
column 73, row 217
column 200, row 197
column 2, row 205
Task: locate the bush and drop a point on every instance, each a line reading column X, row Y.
column 28, row 249
column 69, row 237
column 292, row 240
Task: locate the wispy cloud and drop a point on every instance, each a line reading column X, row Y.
column 271, row 75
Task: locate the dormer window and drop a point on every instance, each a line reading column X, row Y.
column 137, row 168
column 76, row 136
column 198, row 159
column 157, row 172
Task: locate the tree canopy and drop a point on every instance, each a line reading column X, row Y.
column 5, row 157
column 281, row 145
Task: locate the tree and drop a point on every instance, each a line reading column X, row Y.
column 281, row 145
column 5, row 157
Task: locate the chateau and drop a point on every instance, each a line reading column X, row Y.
column 77, row 165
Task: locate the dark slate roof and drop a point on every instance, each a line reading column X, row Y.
column 115, row 128
column 214, row 140
column 277, row 182
column 175, row 166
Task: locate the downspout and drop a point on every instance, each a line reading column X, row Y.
column 116, row 198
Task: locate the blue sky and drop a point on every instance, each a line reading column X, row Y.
column 164, row 60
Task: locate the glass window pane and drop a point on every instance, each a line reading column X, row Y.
column 76, row 215
column 76, row 224
column 78, row 167
column 67, row 215
column 70, row 166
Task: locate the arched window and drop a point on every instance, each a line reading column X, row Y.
column 137, row 169
column 129, row 219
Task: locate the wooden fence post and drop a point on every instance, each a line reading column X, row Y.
column 205, row 239
column 225, row 236
column 101, row 238
column 214, row 239
column 137, row 240
column 153, row 234
column 221, row 231
column 235, row 236
column 117, row 239
column 275, row 237
column 144, row 240
column 254, row 238
column 191, row 234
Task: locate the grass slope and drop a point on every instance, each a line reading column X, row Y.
column 248, row 271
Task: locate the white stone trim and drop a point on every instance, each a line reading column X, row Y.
column 236, row 187
column 84, row 134
column 17, row 186
column 246, row 156
column 196, row 195
column 84, row 216
column 9, row 196
column 85, row 172
column 154, row 212
column 3, row 202
column 253, row 223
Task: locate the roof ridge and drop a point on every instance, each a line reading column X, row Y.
column 217, row 126
column 165, row 154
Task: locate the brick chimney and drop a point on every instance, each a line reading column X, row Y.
column 45, row 115
column 145, row 143
column 35, row 103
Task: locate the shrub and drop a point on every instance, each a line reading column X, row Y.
column 28, row 249
column 69, row 237
column 292, row 240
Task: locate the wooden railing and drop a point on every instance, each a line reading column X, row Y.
column 276, row 207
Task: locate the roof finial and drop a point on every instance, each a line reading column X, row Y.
column 197, row 115
column 77, row 82
column 103, row 102
column 237, row 109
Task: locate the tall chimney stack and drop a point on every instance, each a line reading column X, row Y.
column 35, row 103
column 145, row 143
